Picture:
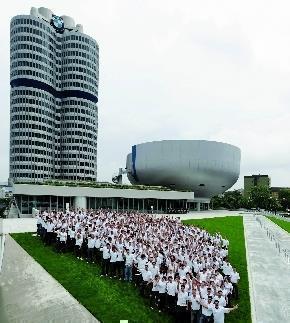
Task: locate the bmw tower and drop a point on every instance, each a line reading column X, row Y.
column 54, row 73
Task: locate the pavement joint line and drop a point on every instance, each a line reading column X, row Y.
column 250, row 278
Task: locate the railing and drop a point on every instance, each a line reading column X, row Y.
column 281, row 245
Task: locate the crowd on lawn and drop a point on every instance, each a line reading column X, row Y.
column 182, row 269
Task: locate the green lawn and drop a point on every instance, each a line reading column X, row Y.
column 108, row 300
column 283, row 224
column 232, row 228
column 111, row 300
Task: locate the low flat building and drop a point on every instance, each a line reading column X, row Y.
column 120, row 198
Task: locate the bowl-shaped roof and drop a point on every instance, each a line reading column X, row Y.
column 205, row 167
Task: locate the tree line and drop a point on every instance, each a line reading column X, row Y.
column 260, row 197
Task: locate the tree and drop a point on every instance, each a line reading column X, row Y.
column 260, row 197
column 229, row 200
column 284, row 198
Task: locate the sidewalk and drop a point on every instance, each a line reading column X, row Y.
column 28, row 294
column 269, row 277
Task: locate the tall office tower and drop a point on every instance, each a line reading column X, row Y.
column 54, row 77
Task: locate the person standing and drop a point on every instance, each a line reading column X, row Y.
column 91, row 246
column 78, row 245
column 129, row 260
column 146, row 279
column 120, row 263
column 171, row 290
column 206, row 310
column 62, row 240
column 220, row 311
column 105, row 259
column 113, row 262
column 162, row 285
column 235, row 277
column 194, row 300
column 182, row 302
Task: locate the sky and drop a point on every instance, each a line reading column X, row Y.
column 213, row 70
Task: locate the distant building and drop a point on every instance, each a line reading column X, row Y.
column 276, row 190
column 255, row 180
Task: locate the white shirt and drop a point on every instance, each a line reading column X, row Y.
column 63, row 236
column 49, row 227
column 146, row 275
column 235, row 277
column 114, row 256
column 154, row 270
column 162, row 287
column 106, row 253
column 119, row 256
column 141, row 263
column 203, row 276
column 182, row 297
column 79, row 241
column 171, row 288
column 227, row 269
column 91, row 243
column 97, row 243
column 219, row 314
column 195, row 305
column 129, row 258
column 207, row 311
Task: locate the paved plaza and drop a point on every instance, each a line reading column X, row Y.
column 28, row 294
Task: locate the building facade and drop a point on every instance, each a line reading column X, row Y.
column 255, row 180
column 54, row 73
column 207, row 168
column 51, row 197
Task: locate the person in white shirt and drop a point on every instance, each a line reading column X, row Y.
column 146, row 279
column 129, row 260
column 105, row 259
column 91, row 246
column 78, row 245
column 120, row 263
column 227, row 268
column 113, row 262
column 62, row 240
column 49, row 232
column 206, row 310
column 97, row 252
column 162, row 285
column 182, row 271
column 219, row 312
column 182, row 302
column 235, row 277
column 194, row 300
column 171, row 290
column 220, row 297
column 155, row 291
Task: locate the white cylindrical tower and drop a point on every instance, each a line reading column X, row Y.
column 54, row 92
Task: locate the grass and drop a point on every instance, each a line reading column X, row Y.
column 232, row 228
column 111, row 300
column 283, row 224
column 108, row 300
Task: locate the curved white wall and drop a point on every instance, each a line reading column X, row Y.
column 205, row 167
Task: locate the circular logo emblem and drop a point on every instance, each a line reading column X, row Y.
column 57, row 23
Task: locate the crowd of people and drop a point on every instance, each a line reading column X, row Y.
column 182, row 269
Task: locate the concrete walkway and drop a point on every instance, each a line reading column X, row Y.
column 28, row 294
column 208, row 214
column 269, row 275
